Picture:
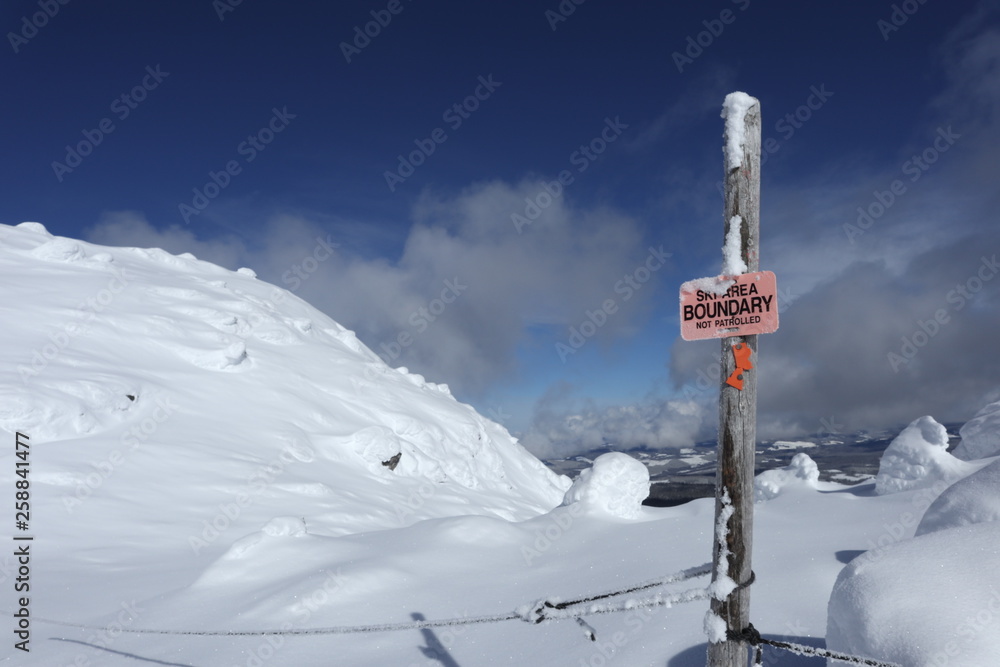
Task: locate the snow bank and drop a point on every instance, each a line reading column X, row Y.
column 615, row 485
column 734, row 110
column 975, row 499
column 930, row 601
column 980, row 435
column 918, row 458
column 802, row 472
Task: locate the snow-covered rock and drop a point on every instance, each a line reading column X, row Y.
column 928, row 601
column 615, row 485
column 800, row 472
column 975, row 499
column 918, row 457
column 980, row 435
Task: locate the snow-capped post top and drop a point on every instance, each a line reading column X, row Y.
column 734, row 110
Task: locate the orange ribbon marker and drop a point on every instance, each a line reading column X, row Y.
column 741, row 353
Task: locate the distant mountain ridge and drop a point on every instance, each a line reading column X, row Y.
column 688, row 473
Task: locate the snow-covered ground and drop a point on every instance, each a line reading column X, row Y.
column 210, row 453
column 795, row 445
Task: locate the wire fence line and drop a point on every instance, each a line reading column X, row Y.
column 542, row 611
column 336, row 630
column 752, row 637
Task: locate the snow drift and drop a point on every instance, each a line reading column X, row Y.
column 800, row 472
column 981, row 435
column 928, row 601
column 615, row 485
column 975, row 499
column 933, row 599
column 917, row 458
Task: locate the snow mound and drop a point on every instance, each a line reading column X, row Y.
column 980, row 435
column 171, row 391
column 285, row 526
column 975, row 499
column 801, row 472
column 918, row 458
column 60, row 250
column 34, row 228
column 922, row 602
column 616, row 484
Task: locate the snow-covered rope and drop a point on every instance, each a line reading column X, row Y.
column 682, row 575
column 752, row 637
column 337, row 630
column 544, row 611
column 538, row 612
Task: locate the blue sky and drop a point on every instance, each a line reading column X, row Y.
column 252, row 134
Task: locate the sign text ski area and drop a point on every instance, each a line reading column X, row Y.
column 734, row 306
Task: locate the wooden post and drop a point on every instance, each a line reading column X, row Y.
column 738, row 412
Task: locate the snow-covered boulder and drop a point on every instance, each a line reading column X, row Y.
column 975, row 499
column 615, row 485
column 918, row 457
column 932, row 600
column 980, row 435
column 801, row 472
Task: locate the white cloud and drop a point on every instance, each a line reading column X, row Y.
column 561, row 428
column 563, row 263
column 467, row 288
column 131, row 229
